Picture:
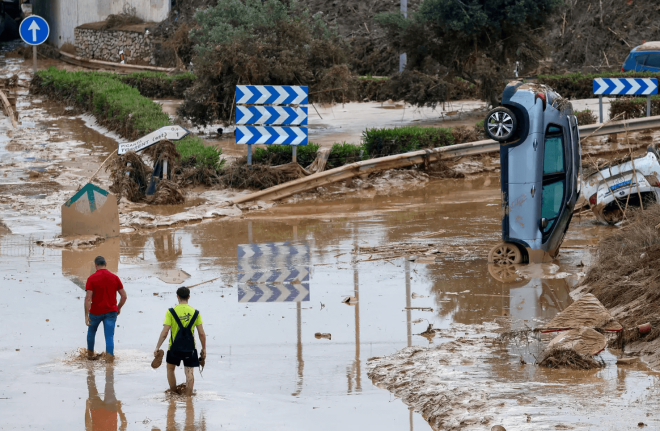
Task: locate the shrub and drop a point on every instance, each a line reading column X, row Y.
column 274, row 155
column 385, row 142
column 586, row 117
column 192, row 147
column 634, row 107
column 344, row 154
column 580, row 86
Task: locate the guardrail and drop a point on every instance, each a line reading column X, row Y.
column 424, row 156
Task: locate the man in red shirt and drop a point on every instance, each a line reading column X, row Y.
column 101, row 306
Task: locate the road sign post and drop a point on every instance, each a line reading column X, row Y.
column 625, row 86
column 271, row 125
column 34, row 30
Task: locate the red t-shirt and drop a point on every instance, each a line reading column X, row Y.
column 105, row 286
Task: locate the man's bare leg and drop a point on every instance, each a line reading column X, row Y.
column 171, row 378
column 190, row 380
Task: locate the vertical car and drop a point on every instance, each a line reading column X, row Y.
column 541, row 168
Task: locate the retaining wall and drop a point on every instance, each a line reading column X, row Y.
column 105, row 44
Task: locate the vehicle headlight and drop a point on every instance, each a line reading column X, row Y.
column 653, row 180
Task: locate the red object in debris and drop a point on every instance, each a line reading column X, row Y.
column 542, row 97
column 645, row 328
column 593, row 200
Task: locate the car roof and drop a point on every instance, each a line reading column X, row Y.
column 648, row 46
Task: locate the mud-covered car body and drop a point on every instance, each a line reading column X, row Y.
column 540, row 170
column 623, row 185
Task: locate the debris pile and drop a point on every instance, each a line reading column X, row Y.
column 624, row 277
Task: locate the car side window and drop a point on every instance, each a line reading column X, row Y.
column 553, row 157
column 653, row 60
column 641, row 59
column 554, row 176
column 552, row 198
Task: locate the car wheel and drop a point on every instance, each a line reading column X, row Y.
column 505, row 254
column 500, row 124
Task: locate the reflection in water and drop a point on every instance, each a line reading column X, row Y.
column 101, row 414
column 166, row 249
column 299, row 351
column 189, row 422
column 78, row 264
column 353, row 373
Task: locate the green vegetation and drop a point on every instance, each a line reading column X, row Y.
column 385, row 142
column 477, row 40
column 274, row 155
column 585, row 117
column 344, row 154
column 580, row 86
column 117, row 106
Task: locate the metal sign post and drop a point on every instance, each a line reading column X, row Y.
column 34, row 30
column 625, row 86
column 271, row 125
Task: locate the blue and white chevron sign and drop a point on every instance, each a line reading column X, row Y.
column 271, row 95
column 626, row 86
column 271, row 135
column 273, row 272
column 270, row 292
column 271, row 115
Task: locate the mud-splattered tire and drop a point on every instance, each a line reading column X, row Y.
column 500, row 124
column 505, row 253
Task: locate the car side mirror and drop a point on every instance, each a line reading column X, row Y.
column 544, row 223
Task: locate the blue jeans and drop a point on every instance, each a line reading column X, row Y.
column 109, row 320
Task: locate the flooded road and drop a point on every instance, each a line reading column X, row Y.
column 266, row 367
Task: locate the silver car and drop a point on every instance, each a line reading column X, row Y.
column 541, row 167
column 623, row 185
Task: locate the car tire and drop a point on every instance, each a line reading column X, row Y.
column 505, row 253
column 500, row 124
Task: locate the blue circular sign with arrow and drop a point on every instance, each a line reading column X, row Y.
column 34, row 30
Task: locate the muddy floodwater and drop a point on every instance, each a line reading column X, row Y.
column 266, row 367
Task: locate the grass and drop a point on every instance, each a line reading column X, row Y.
column 119, row 106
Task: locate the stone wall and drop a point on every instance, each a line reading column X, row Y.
column 106, row 44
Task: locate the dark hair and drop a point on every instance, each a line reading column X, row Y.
column 183, row 292
column 100, row 261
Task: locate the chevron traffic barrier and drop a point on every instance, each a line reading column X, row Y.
column 271, row 95
column 271, row 135
column 625, row 86
column 273, row 272
column 271, row 115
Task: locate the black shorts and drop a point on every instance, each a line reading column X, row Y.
column 190, row 359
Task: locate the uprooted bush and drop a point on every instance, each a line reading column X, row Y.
column 568, row 358
column 386, row 142
column 261, row 43
column 625, row 274
column 158, row 84
column 239, row 175
column 586, row 117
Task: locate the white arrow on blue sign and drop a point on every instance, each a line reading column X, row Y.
column 271, row 292
column 271, row 135
column 34, row 30
column 271, row 95
column 271, row 115
column 626, row 86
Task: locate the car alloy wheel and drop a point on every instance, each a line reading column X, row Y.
column 500, row 124
column 505, row 254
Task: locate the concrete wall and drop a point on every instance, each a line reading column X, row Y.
column 64, row 16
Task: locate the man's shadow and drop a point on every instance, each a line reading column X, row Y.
column 101, row 414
